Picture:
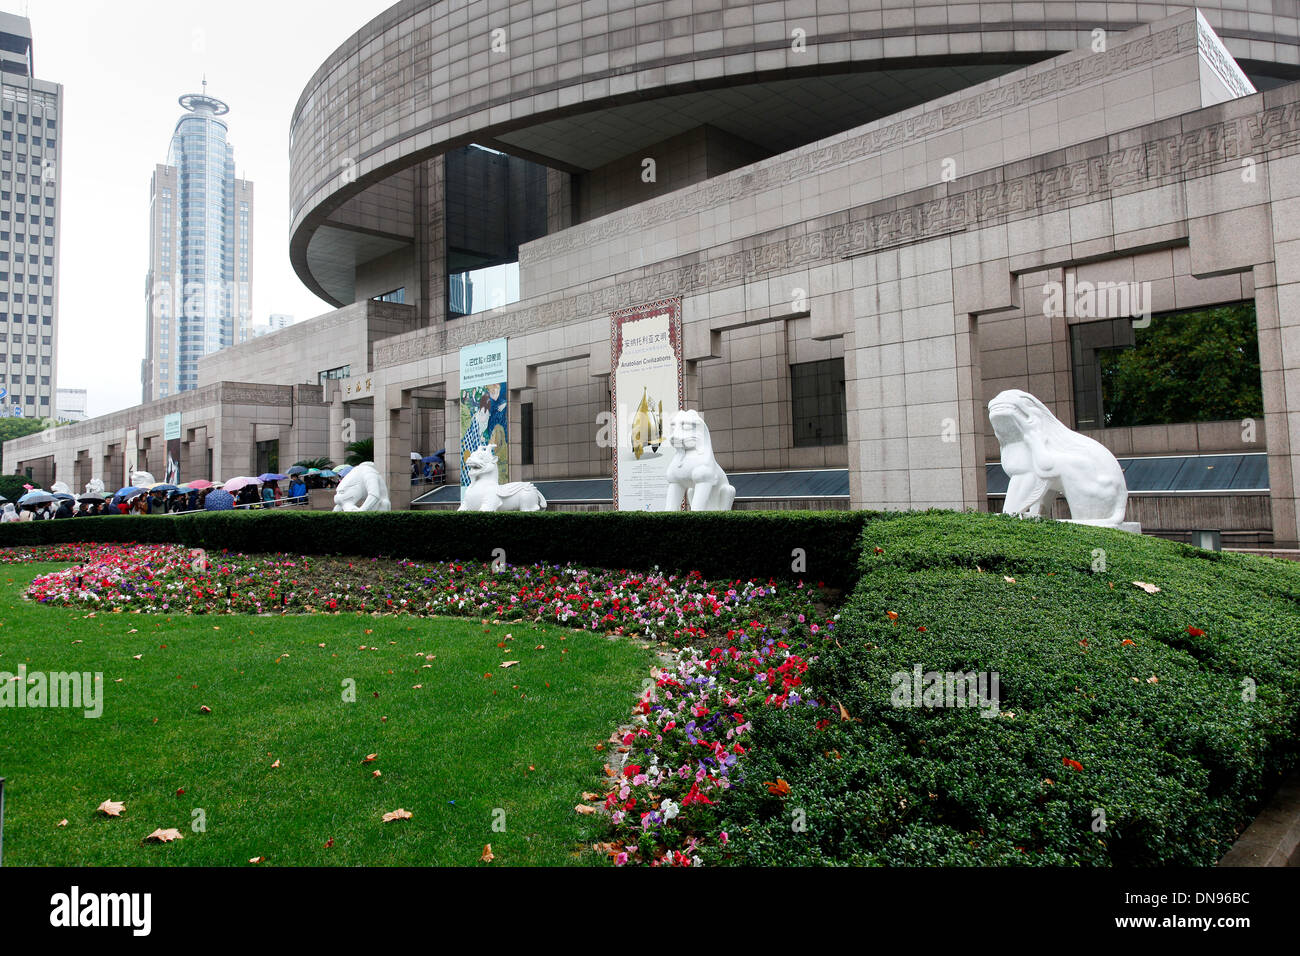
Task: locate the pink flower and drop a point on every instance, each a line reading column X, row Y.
column 723, row 838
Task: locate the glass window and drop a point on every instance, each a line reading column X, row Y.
column 819, row 407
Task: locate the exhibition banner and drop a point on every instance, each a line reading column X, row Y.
column 484, row 405
column 646, row 364
column 172, row 435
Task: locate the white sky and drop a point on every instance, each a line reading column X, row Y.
column 122, row 66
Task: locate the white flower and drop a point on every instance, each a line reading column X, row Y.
column 669, row 809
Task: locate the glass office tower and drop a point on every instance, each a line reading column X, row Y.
column 200, row 279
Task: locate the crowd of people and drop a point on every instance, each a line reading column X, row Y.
column 268, row 494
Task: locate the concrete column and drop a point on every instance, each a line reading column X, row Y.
column 337, row 444
column 393, row 450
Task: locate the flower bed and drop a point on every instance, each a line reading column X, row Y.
column 165, row 579
column 685, row 748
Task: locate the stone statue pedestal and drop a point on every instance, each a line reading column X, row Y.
column 1133, row 526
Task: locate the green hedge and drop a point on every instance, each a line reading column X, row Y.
column 740, row 544
column 1178, row 766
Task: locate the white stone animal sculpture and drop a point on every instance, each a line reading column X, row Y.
column 142, row 479
column 485, row 493
column 1043, row 458
column 363, row 489
column 94, row 487
column 693, row 472
column 59, row 488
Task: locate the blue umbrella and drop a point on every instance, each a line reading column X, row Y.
column 129, row 492
column 342, row 472
column 431, row 458
column 270, row 477
column 219, row 501
column 65, row 497
column 329, row 474
column 297, row 470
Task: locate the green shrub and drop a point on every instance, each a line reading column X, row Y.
column 1177, row 765
column 740, row 544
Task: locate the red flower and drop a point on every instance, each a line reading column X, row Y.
column 1195, row 632
column 631, row 770
column 1072, row 764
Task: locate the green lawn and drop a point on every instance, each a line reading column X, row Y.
column 453, row 752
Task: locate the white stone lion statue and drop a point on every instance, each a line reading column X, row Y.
column 486, row 493
column 142, row 479
column 1043, row 458
column 95, row 487
column 693, row 472
column 59, row 488
column 363, row 489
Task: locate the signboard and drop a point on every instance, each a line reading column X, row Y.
column 484, row 405
column 362, row 386
column 172, row 435
column 646, row 364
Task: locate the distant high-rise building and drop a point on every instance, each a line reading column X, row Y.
column 274, row 323
column 199, row 291
column 30, row 164
column 71, row 405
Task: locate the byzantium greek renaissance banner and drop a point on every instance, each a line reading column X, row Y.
column 646, row 358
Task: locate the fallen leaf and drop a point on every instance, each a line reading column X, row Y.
column 779, row 789
column 487, row 856
column 1153, row 679
column 111, row 808
column 585, row 809
column 398, row 814
column 1149, row 588
column 844, row 714
column 1009, row 580
column 257, row 859
column 275, row 765
column 138, row 657
column 164, row 836
column 592, row 797
column 61, row 823
column 329, row 843
column 370, row 758
column 205, row 709
column 509, row 663
column 377, row 774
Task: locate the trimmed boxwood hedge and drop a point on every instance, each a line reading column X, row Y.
column 1175, row 767
column 740, row 544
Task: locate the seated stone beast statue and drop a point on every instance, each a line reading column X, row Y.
column 486, row 493
column 363, row 489
column 694, row 474
column 1043, row 458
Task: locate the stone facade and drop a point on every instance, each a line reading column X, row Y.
column 914, row 249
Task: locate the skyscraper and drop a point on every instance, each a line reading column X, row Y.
column 199, row 290
column 30, row 152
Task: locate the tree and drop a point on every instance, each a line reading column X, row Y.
column 1189, row 367
column 360, row 451
column 324, row 464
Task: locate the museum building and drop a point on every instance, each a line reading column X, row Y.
column 835, row 229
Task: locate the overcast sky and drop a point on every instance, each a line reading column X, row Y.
column 122, row 66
